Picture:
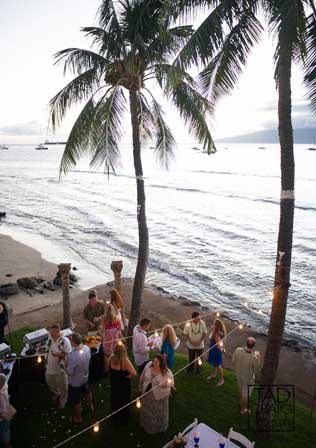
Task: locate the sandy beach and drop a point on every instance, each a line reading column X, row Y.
column 295, row 367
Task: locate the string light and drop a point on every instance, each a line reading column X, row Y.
column 188, row 324
column 96, row 427
column 156, row 334
column 217, row 314
column 240, row 326
column 39, row 359
column 221, row 344
column 120, row 342
column 81, row 351
column 200, row 362
column 169, row 381
column 260, row 311
column 138, row 404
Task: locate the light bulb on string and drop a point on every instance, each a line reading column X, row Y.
column 260, row 311
column 240, row 326
column 169, row 381
column 39, row 359
column 188, row 324
column 221, row 344
column 156, row 334
column 96, row 427
column 217, row 314
column 200, row 362
column 81, row 351
column 120, row 342
column 138, row 404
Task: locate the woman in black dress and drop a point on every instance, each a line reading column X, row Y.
column 3, row 320
column 121, row 373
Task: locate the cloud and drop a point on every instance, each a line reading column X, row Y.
column 302, row 115
column 29, row 128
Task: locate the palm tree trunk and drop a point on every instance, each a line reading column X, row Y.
column 284, row 251
column 143, row 238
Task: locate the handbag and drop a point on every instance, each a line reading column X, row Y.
column 10, row 413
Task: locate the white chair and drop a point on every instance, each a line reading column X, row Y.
column 181, row 434
column 188, row 428
column 233, row 435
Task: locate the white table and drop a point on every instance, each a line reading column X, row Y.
column 209, row 438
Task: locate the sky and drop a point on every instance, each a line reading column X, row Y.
column 32, row 31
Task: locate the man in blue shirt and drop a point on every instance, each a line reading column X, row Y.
column 78, row 373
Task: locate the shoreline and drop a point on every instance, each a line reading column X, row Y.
column 158, row 304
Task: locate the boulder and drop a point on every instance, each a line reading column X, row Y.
column 27, row 282
column 8, row 289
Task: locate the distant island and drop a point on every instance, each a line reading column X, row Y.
column 304, row 135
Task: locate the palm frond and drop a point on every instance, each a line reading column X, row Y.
column 168, row 76
column 77, row 142
column 208, row 38
column 107, row 129
column 79, row 89
column 221, row 75
column 77, row 60
column 145, row 119
column 109, row 20
column 309, row 65
column 165, row 142
column 169, row 42
column 193, row 108
column 108, row 46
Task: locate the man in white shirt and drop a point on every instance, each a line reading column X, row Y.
column 56, row 377
column 141, row 346
column 195, row 331
column 246, row 363
column 78, row 363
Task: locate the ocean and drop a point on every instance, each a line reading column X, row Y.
column 213, row 224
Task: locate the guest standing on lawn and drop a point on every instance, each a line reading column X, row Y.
column 141, row 346
column 121, row 372
column 118, row 303
column 56, row 377
column 168, row 342
column 215, row 355
column 156, row 379
column 195, row 331
column 111, row 334
column 5, row 434
column 78, row 363
column 246, row 363
column 94, row 312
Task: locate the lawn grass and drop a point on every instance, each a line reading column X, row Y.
column 39, row 424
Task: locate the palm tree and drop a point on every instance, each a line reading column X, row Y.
column 222, row 44
column 135, row 47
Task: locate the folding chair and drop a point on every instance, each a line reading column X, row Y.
column 233, row 435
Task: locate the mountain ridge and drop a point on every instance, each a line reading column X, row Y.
column 303, row 135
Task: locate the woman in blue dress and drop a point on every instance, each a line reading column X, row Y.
column 215, row 355
column 168, row 342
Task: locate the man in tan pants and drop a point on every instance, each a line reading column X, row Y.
column 56, row 377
